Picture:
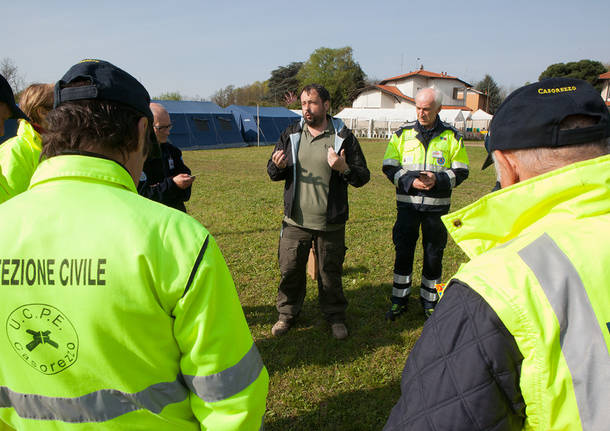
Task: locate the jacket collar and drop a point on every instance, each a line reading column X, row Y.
column 575, row 191
column 337, row 123
column 421, row 129
column 89, row 167
column 295, row 137
column 427, row 135
column 31, row 133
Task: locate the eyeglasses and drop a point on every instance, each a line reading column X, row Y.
column 168, row 127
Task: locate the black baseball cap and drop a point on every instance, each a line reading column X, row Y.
column 7, row 96
column 530, row 116
column 104, row 81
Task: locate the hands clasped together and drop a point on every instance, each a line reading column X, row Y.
column 425, row 181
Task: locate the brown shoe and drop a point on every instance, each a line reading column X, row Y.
column 280, row 328
column 339, row 330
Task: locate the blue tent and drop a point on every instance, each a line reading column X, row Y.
column 273, row 121
column 201, row 125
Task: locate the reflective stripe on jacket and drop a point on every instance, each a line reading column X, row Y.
column 540, row 252
column 407, row 155
column 120, row 313
column 19, row 157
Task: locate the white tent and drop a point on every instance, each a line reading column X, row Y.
column 377, row 114
column 479, row 120
column 375, row 123
column 461, row 124
column 451, row 116
column 479, row 114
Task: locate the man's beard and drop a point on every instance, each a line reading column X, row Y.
column 314, row 121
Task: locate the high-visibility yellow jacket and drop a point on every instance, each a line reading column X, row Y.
column 119, row 312
column 541, row 259
column 408, row 153
column 4, row 194
column 19, row 157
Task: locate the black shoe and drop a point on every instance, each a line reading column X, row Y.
column 395, row 311
column 428, row 307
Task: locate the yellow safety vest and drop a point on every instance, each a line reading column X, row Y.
column 406, row 154
column 118, row 312
column 540, row 258
column 19, row 157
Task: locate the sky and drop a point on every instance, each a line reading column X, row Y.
column 199, row 47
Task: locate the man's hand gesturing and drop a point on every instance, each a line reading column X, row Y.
column 279, row 159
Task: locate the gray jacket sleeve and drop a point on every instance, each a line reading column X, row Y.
column 463, row 373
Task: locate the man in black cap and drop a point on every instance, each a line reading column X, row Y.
column 520, row 338
column 119, row 312
column 8, row 107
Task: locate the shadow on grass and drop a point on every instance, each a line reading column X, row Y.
column 353, row 411
column 310, row 341
column 360, row 269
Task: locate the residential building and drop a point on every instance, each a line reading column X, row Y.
column 399, row 92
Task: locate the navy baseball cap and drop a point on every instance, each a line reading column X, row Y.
column 104, row 81
column 530, row 116
column 7, row 96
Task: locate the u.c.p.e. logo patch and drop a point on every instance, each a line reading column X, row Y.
column 43, row 337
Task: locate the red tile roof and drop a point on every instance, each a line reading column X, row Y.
column 394, row 91
column 463, row 108
column 426, row 74
column 605, row 75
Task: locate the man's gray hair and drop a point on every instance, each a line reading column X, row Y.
column 544, row 159
column 438, row 96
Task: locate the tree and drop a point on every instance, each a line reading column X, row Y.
column 495, row 95
column 283, row 84
column 336, row 70
column 252, row 94
column 223, row 97
column 170, row 95
column 588, row 70
column 10, row 71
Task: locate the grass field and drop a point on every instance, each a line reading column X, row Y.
column 317, row 382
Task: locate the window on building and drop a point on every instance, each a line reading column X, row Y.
column 458, row 93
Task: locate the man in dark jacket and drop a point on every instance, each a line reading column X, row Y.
column 165, row 178
column 317, row 158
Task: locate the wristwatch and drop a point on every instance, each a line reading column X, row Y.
column 347, row 172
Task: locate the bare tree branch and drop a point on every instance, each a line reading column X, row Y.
column 10, row 71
